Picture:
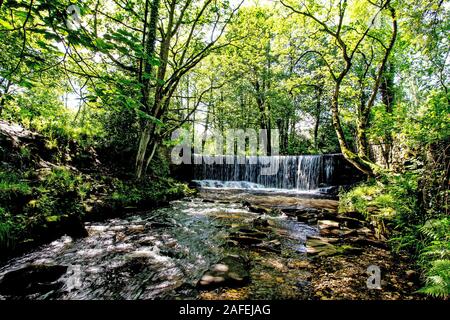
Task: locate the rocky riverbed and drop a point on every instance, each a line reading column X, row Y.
column 221, row 244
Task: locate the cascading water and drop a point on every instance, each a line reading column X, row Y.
column 304, row 173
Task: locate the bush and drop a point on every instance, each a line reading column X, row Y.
column 154, row 191
column 395, row 199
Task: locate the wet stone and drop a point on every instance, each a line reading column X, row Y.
column 231, row 271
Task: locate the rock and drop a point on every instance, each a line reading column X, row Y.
column 307, row 218
column 290, row 211
column 327, row 215
column 299, row 264
column 354, row 215
column 330, row 232
column 349, row 250
column 231, row 271
column 365, row 232
column 271, row 246
column 160, row 225
column 349, row 222
column 349, row 233
column 362, row 241
column 136, row 228
column 411, row 275
column 32, row 279
column 246, row 203
column 320, row 247
column 245, row 240
column 327, row 224
column 244, row 236
column 250, row 232
column 260, row 222
column 264, row 210
column 296, row 211
column 324, row 239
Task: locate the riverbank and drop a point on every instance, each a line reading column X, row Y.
column 216, row 245
column 336, row 257
column 50, row 188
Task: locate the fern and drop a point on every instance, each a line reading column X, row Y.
column 437, row 229
column 438, row 279
column 435, row 257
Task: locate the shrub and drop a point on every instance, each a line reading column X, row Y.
column 395, row 198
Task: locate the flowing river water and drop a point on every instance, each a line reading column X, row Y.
column 164, row 253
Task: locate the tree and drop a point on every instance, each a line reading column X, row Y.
column 348, row 38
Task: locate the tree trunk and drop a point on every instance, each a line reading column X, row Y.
column 318, row 116
column 144, row 78
column 142, row 149
column 387, row 96
column 3, row 96
column 361, row 164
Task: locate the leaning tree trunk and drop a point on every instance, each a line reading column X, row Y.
column 362, row 164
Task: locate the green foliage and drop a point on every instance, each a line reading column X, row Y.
column 438, row 279
column 7, row 239
column 435, row 257
column 150, row 191
column 12, row 185
column 41, row 109
column 394, row 200
column 28, row 200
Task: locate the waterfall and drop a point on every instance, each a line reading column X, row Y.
column 308, row 172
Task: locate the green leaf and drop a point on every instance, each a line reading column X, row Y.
column 6, row 24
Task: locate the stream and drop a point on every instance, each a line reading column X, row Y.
column 206, row 247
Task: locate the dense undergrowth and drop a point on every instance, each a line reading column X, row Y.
column 53, row 180
column 395, row 205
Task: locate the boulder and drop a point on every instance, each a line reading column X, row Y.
column 32, row 279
